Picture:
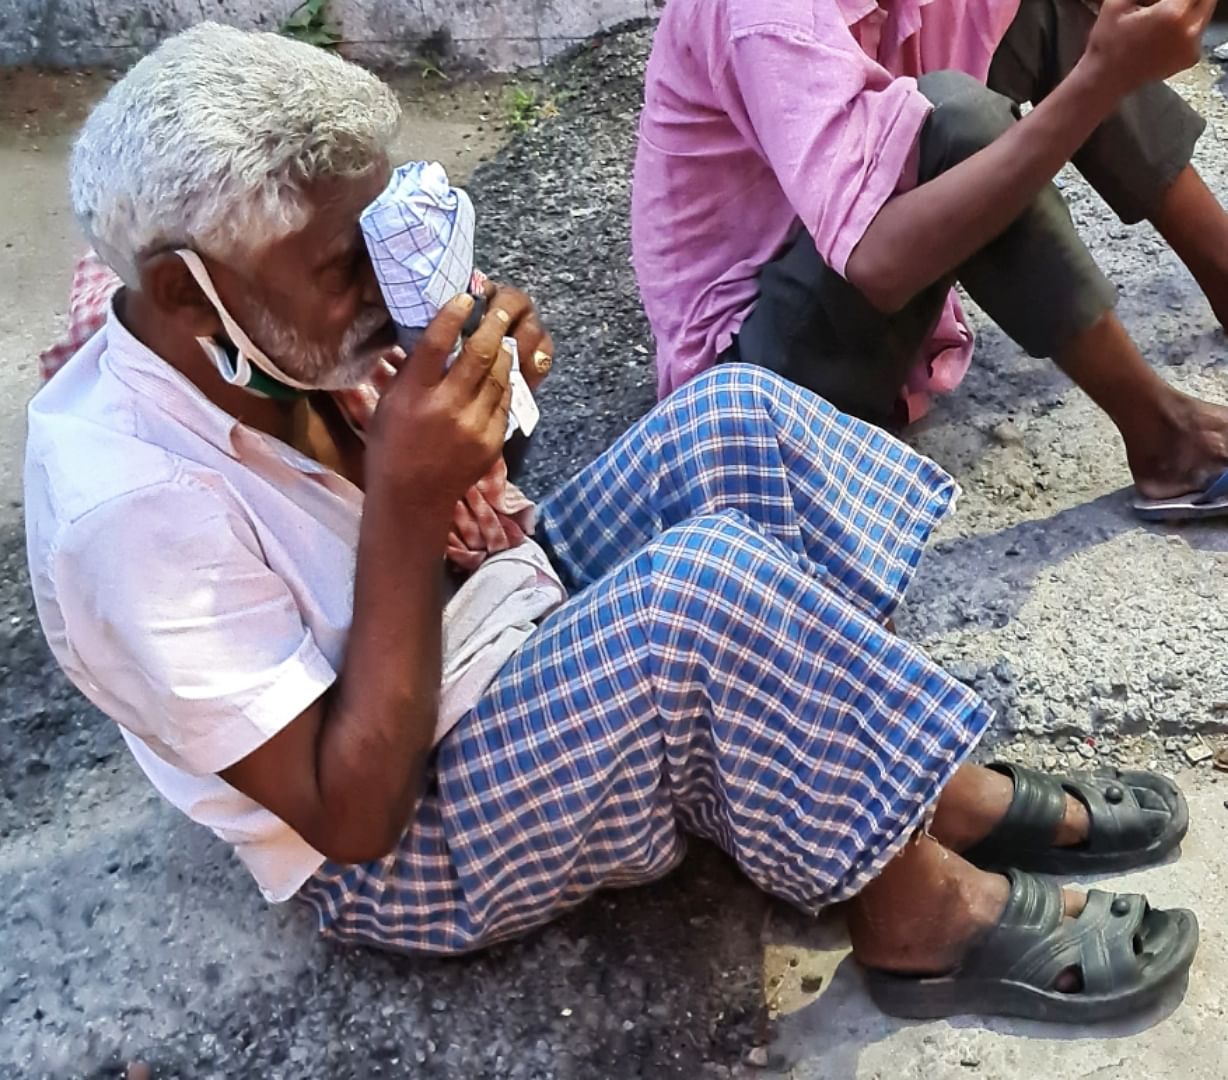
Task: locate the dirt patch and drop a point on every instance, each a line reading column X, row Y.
column 459, row 122
column 37, row 104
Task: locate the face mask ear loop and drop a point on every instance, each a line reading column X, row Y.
column 237, row 372
column 234, row 369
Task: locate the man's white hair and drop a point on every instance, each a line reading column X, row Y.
column 210, row 140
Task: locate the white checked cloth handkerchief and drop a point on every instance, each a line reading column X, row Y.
column 419, row 233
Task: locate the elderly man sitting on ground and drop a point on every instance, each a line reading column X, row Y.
column 692, row 644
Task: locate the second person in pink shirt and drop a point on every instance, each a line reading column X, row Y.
column 814, row 176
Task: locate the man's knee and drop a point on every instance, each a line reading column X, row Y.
column 710, row 553
column 740, row 381
column 717, row 403
column 967, row 117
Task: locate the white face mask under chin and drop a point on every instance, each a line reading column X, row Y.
column 235, row 369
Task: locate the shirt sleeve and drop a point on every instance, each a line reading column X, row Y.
column 836, row 128
column 180, row 630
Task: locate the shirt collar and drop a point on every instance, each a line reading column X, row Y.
column 167, row 389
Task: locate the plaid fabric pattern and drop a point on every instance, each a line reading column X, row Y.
column 420, row 238
column 723, row 672
column 93, row 285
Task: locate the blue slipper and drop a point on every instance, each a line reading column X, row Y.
column 1211, row 502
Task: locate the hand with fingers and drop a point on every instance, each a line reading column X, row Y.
column 439, row 429
column 1135, row 43
column 533, row 341
column 493, row 515
column 536, row 351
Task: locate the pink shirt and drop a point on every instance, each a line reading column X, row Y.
column 763, row 118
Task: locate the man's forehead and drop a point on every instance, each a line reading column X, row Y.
column 334, row 207
column 346, row 194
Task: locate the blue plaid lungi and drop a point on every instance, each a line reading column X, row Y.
column 722, row 670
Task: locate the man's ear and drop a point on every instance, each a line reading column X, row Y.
column 170, row 287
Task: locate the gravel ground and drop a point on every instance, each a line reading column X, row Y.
column 553, row 217
column 131, row 936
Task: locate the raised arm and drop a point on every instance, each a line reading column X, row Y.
column 942, row 223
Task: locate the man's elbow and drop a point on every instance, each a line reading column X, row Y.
column 365, row 830
column 367, row 842
column 882, row 284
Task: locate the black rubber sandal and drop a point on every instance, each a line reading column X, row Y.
column 1119, row 956
column 1137, row 818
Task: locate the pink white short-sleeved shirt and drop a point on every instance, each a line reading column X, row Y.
column 764, row 118
column 195, row 580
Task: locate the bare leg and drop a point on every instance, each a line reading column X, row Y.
column 919, row 916
column 1191, row 219
column 1175, row 443
column 976, row 799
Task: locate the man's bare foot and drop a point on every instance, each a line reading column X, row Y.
column 920, row 916
column 1175, row 444
column 1185, row 452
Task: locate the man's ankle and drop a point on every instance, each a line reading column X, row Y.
column 932, row 934
column 1149, row 424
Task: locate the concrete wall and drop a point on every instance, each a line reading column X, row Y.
column 491, row 34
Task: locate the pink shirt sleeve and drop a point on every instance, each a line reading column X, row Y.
column 835, row 127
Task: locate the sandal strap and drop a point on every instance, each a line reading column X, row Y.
column 1033, row 942
column 1032, row 819
column 1118, row 821
column 1216, row 490
column 1034, row 909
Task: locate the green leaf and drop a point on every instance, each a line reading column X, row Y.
column 309, row 23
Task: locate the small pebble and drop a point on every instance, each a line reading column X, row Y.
column 1198, row 753
column 1007, row 433
column 1086, row 751
column 756, row 1057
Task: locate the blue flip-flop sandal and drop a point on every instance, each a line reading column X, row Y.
column 1211, row 502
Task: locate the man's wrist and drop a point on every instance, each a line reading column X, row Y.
column 1097, row 84
column 418, row 518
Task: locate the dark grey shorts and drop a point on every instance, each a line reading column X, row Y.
column 1037, row 280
